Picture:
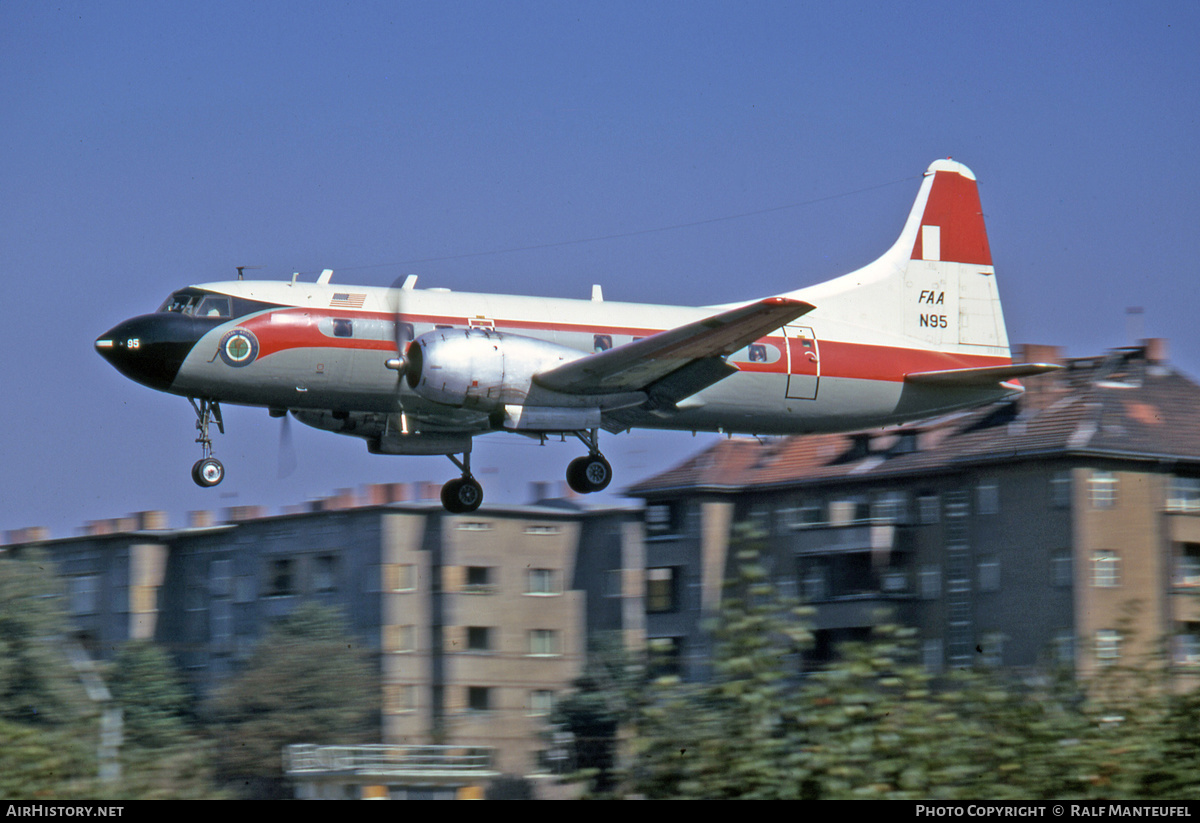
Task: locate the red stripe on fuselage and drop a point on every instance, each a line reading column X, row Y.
column 295, row 328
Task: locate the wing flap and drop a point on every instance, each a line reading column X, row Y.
column 636, row 365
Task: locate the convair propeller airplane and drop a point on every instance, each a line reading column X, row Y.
column 423, row 371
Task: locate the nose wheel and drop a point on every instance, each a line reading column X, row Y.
column 207, row 471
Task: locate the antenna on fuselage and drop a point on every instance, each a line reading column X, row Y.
column 242, row 269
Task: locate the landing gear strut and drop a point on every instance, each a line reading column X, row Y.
column 591, row 473
column 463, row 494
column 207, row 471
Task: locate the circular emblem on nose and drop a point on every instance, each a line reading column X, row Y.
column 238, row 348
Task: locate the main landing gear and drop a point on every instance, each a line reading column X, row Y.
column 463, row 494
column 207, row 471
column 591, row 473
column 587, row 474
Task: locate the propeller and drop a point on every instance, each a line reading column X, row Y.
column 287, row 451
column 403, row 330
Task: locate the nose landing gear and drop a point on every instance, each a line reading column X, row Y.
column 207, row 471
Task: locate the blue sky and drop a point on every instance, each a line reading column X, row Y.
column 149, row 145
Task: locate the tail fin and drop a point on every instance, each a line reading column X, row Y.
column 935, row 287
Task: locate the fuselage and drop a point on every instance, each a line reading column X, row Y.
column 325, row 348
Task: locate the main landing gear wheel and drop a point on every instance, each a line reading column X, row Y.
column 462, row 495
column 208, row 472
column 589, row 474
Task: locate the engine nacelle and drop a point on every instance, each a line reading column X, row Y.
column 479, row 368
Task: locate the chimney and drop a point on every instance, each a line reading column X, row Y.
column 539, row 490
column 1155, row 349
column 151, row 520
column 238, row 514
column 200, row 519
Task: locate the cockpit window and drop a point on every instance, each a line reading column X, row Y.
column 213, row 305
column 197, row 303
column 181, row 302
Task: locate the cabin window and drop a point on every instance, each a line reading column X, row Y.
column 343, row 327
column 601, row 342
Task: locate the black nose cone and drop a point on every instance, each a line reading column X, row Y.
column 151, row 348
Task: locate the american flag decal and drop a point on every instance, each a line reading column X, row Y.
column 347, row 301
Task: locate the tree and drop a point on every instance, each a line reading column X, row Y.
column 602, row 702
column 37, row 683
column 163, row 754
column 732, row 737
column 307, row 682
column 48, row 731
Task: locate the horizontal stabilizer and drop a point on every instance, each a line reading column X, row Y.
column 985, row 376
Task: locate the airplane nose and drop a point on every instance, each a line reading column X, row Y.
column 151, row 348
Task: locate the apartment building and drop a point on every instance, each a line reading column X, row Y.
column 1059, row 527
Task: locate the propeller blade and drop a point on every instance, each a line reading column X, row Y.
column 287, row 451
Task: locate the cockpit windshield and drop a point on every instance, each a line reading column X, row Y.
column 196, row 303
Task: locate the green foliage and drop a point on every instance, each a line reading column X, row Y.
column 875, row 724
column 40, row 761
column 163, row 756
column 152, row 697
column 37, row 683
column 308, row 682
column 602, row 701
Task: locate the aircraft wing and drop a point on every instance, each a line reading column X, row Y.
column 688, row 357
column 979, row 377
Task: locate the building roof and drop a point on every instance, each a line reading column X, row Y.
column 1128, row 404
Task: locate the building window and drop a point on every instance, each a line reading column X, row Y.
column 543, row 642
column 1064, row 647
column 1060, row 569
column 929, row 507
column 1187, row 564
column 1187, row 645
column 613, row 583
column 993, row 649
column 401, row 577
column 666, row 656
column 662, row 589
column 988, row 497
column 891, row 506
column 815, row 580
column 399, row 698
column 541, row 702
column 84, row 591
column 399, row 638
column 1102, row 490
column 479, row 698
column 474, row 526
column 325, row 573
column 542, row 529
column 1108, row 646
column 1184, row 495
column 479, row 638
column 1106, row 569
column 1060, row 490
column 663, row 518
column 930, row 582
column 282, row 578
column 541, row 582
column 479, row 580
column 989, row 574
column 933, row 657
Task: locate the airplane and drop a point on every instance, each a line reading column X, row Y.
column 917, row 332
